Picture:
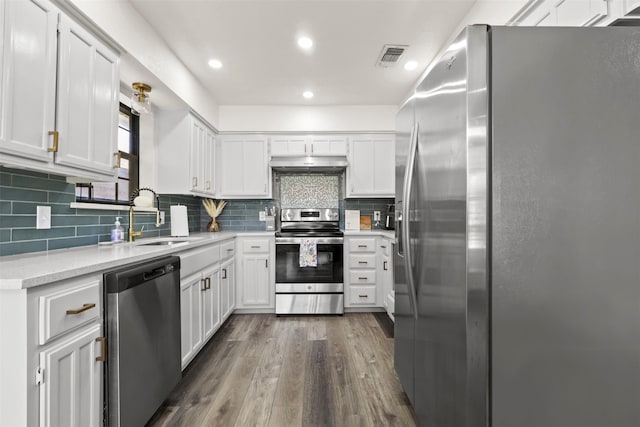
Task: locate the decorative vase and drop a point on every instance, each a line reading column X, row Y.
column 213, row 225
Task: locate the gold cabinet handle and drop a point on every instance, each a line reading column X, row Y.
column 208, row 185
column 118, row 155
column 384, row 265
column 208, row 280
column 103, row 352
column 363, row 262
column 84, row 307
column 255, row 246
column 362, row 278
column 194, row 182
column 203, row 283
column 363, row 296
column 55, row 134
column 362, row 246
column 225, row 273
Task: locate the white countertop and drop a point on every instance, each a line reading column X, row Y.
column 391, row 234
column 38, row 268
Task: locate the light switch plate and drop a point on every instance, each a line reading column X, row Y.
column 43, row 217
column 376, row 215
column 262, row 215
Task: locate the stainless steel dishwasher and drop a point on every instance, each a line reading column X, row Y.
column 142, row 324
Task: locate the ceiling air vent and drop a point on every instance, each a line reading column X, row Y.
column 390, row 55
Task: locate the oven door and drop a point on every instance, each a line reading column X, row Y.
column 329, row 269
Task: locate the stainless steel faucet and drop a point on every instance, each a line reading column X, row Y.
column 132, row 232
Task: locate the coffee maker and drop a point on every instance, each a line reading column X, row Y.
column 390, row 217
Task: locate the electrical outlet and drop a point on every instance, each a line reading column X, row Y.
column 161, row 217
column 43, row 217
column 376, row 215
column 262, row 215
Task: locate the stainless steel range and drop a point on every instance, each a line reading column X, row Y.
column 309, row 266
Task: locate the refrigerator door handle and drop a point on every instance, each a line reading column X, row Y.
column 406, row 219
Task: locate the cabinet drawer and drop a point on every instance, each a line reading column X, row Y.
column 227, row 249
column 63, row 311
column 362, row 245
column 362, row 295
column 362, row 277
column 362, row 261
column 255, row 246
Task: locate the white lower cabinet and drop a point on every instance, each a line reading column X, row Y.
column 361, row 288
column 71, row 381
column 385, row 273
column 227, row 288
column 51, row 354
column 256, row 277
column 211, row 302
column 191, row 317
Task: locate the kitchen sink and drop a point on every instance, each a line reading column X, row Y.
column 165, row 241
column 161, row 242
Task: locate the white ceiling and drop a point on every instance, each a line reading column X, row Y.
column 256, row 41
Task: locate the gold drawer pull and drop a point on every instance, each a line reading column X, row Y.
column 229, row 250
column 384, row 266
column 103, row 352
column 362, row 246
column 363, row 296
column 85, row 307
column 55, row 134
column 363, row 262
column 362, row 278
column 255, row 247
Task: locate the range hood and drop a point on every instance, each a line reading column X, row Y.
column 309, row 164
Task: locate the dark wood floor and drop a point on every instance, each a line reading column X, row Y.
column 263, row 370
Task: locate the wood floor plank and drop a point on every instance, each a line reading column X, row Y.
column 318, row 405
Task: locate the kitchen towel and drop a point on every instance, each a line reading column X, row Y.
column 308, row 253
column 179, row 221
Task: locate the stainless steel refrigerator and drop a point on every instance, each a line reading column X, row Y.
column 518, row 231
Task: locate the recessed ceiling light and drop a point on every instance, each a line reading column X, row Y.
column 215, row 64
column 411, row 65
column 307, row 94
column 305, row 42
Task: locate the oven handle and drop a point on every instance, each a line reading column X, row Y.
column 318, row 240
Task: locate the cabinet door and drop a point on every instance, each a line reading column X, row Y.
column 289, row 146
column 70, row 394
column 256, row 289
column 573, row 13
column 28, row 85
column 87, row 107
column 244, row 167
column 227, row 288
column 328, row 146
column 191, row 316
column 371, row 171
column 196, row 142
column 211, row 303
column 631, row 5
column 208, row 153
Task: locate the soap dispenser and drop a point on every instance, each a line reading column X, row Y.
column 117, row 233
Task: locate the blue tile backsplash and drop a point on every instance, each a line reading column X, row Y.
column 22, row 191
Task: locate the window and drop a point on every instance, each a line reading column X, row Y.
column 118, row 192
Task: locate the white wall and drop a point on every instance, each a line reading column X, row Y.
column 269, row 118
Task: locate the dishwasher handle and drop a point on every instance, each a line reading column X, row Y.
column 150, row 275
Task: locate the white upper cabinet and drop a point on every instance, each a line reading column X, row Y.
column 59, row 94
column 570, row 13
column 371, row 171
column 308, row 145
column 243, row 167
column 87, row 109
column 185, row 154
